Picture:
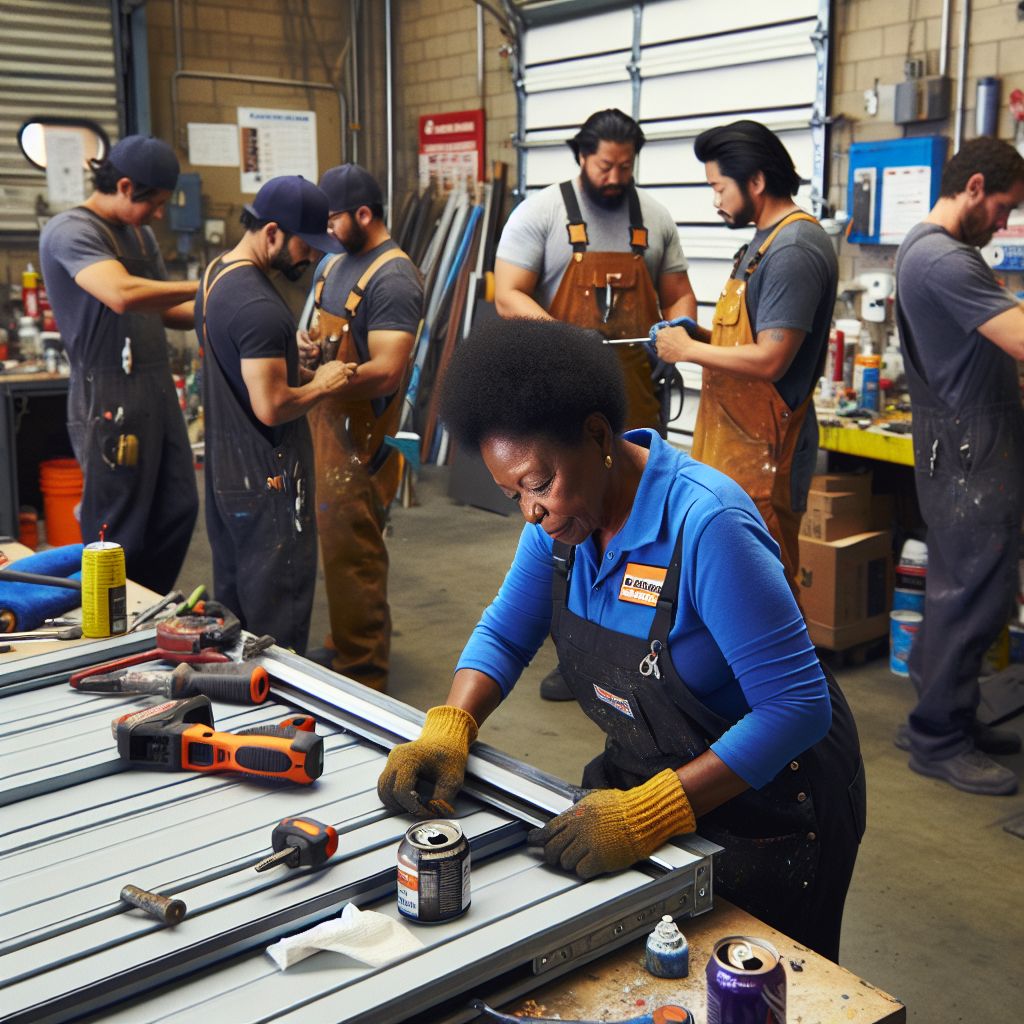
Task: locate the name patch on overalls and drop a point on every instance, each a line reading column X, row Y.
column 641, row 584
column 613, row 700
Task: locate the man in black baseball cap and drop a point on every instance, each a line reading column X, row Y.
column 371, row 299
column 259, row 458
column 108, row 285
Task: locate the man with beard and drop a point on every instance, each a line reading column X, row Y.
column 367, row 308
column 259, row 459
column 962, row 334
column 620, row 270
column 767, row 345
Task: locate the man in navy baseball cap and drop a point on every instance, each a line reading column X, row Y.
column 149, row 162
column 297, row 206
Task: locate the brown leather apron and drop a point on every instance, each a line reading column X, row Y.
column 744, row 427
column 612, row 292
column 343, row 428
column 357, row 476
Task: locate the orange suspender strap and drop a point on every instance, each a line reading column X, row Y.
column 789, row 219
column 356, row 295
column 320, row 281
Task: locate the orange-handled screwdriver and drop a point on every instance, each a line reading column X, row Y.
column 301, row 843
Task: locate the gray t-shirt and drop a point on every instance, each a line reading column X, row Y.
column 794, row 287
column 69, row 243
column 535, row 236
column 393, row 300
column 944, row 292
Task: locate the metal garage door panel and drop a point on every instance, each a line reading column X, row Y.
column 586, row 72
column 573, row 106
column 676, row 19
column 557, row 43
column 779, row 83
column 550, row 164
column 673, row 161
column 733, row 50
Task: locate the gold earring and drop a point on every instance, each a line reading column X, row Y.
column 607, row 462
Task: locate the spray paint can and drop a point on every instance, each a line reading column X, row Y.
column 667, row 954
column 746, row 982
column 433, row 872
column 104, row 603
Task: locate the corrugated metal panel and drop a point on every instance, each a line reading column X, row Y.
column 56, row 60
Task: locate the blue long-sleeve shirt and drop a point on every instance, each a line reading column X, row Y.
column 739, row 641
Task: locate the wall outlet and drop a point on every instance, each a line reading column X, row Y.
column 213, row 231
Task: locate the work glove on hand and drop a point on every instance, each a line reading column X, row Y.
column 610, row 829
column 438, row 756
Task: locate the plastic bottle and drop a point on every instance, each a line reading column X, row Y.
column 851, row 343
column 28, row 338
column 30, row 292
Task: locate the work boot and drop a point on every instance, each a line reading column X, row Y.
column 986, row 738
column 554, row 687
column 972, row 771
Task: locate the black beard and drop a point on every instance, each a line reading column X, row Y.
column 598, row 198
column 742, row 218
column 357, row 240
column 283, row 262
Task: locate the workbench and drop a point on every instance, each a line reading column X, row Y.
column 20, row 391
column 868, row 443
column 78, row 827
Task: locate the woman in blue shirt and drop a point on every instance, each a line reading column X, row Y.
column 675, row 629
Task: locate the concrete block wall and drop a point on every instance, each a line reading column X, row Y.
column 873, row 39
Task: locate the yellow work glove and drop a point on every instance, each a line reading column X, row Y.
column 610, row 829
column 437, row 757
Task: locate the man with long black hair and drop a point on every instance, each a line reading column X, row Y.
column 766, row 348
column 598, row 252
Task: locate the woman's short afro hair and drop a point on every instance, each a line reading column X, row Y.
column 530, row 378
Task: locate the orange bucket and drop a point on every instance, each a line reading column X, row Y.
column 60, row 480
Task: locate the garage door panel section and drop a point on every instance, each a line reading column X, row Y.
column 678, row 19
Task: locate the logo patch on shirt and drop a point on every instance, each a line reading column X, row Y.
column 641, row 584
column 613, row 700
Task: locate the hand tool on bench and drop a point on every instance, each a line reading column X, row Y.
column 60, row 633
column 178, row 735
column 192, row 639
column 163, row 908
column 17, row 576
column 300, row 843
column 237, row 682
column 150, row 613
column 668, row 1014
column 650, row 340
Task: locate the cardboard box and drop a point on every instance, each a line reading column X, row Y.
column 845, row 582
column 856, row 483
column 832, row 515
column 844, row 637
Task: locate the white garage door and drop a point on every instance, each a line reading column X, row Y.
column 680, row 66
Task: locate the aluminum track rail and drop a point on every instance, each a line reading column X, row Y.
column 77, row 826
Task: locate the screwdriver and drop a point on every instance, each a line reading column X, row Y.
column 301, row 843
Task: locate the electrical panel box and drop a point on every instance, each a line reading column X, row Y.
column 892, row 186
column 185, row 207
column 921, row 99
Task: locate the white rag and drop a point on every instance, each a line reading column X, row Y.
column 364, row 935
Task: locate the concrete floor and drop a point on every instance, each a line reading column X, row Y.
column 935, row 914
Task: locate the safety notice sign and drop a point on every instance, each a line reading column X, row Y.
column 452, row 147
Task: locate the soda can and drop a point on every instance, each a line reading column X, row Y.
column 746, row 982
column 433, row 872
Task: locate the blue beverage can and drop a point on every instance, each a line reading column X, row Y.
column 746, row 982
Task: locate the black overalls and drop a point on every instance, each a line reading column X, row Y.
column 259, row 503
column 150, row 507
column 790, row 846
column 969, row 473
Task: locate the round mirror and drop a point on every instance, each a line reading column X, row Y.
column 34, row 136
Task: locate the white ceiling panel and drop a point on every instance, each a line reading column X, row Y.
column 680, row 19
